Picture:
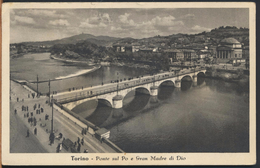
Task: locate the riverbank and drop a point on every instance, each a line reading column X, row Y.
column 71, row 61
column 131, row 65
column 229, row 75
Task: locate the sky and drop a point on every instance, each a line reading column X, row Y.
column 51, row 24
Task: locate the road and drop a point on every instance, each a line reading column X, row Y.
column 40, row 143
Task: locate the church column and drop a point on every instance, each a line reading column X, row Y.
column 226, row 54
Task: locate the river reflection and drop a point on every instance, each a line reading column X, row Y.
column 200, row 118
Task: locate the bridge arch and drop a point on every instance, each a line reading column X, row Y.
column 85, row 108
column 167, row 83
column 201, row 74
column 142, row 90
column 104, row 102
column 186, row 82
column 136, row 99
column 186, row 78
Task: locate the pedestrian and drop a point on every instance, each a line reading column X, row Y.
column 17, row 99
column 27, row 114
column 85, row 151
column 31, row 114
column 39, row 105
column 24, row 115
column 82, row 141
column 28, row 95
column 15, row 111
column 27, row 108
column 83, row 131
column 60, row 146
column 35, row 131
column 34, row 121
column 51, row 138
column 86, row 130
column 28, row 133
column 78, row 140
column 42, row 110
column 46, row 117
column 78, row 149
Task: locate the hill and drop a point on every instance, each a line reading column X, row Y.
column 99, row 40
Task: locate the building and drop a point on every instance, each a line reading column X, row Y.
column 245, row 53
column 117, row 47
column 189, row 54
column 135, row 47
column 174, row 54
column 180, row 54
column 205, row 53
column 146, row 50
column 229, row 48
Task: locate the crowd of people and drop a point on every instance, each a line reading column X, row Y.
column 34, row 115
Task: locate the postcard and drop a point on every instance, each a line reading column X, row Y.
column 129, row 83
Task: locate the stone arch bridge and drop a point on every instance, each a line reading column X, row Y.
column 114, row 93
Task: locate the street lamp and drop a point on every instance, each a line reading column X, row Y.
column 49, row 90
column 102, row 75
column 37, row 85
column 51, row 138
column 117, row 83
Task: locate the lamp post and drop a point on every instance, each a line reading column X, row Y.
column 37, row 85
column 49, row 90
column 102, row 75
column 51, row 138
column 117, row 83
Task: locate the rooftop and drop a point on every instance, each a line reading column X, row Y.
column 229, row 41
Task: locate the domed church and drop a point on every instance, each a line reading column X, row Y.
column 229, row 48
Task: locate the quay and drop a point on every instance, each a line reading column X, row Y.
column 70, row 127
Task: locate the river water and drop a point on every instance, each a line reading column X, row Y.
column 212, row 116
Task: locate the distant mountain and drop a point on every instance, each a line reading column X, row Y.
column 99, row 40
column 178, row 40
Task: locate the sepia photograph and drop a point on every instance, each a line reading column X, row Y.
column 128, row 83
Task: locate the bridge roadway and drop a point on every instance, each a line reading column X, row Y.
column 99, row 90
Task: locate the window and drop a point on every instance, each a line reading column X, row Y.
column 235, row 55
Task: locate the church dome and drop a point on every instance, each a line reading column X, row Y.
column 230, row 41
